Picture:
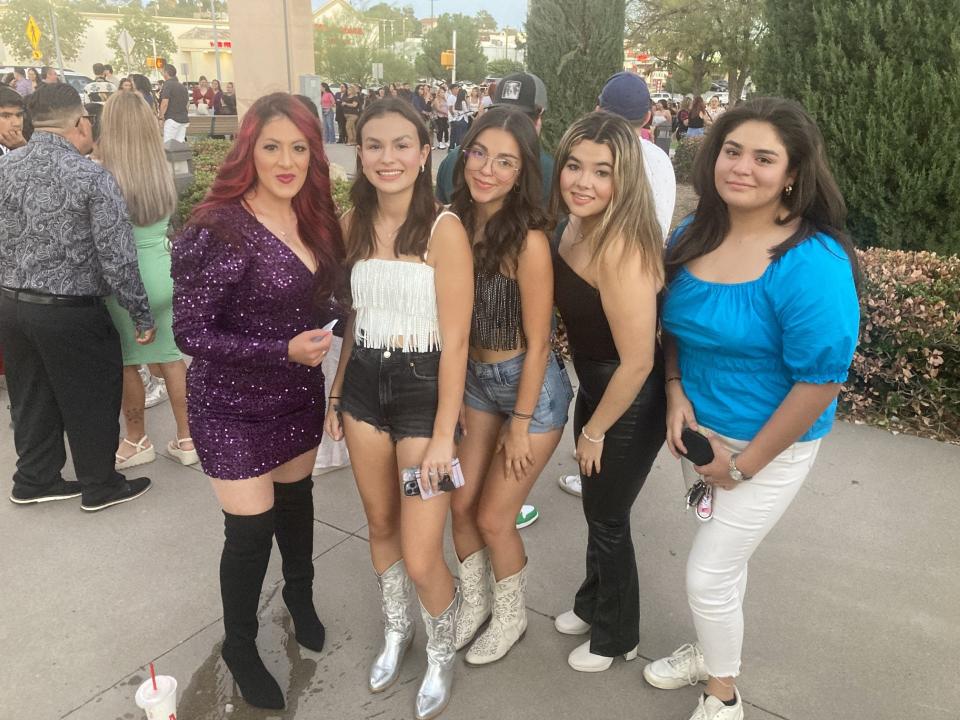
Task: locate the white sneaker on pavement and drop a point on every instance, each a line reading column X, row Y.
column 570, row 484
column 569, row 623
column 711, row 708
column 684, row 667
column 156, row 392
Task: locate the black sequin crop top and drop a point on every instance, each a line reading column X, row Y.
column 497, row 322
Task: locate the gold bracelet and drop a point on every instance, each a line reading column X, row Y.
column 583, row 431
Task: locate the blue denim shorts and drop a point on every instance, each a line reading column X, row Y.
column 492, row 388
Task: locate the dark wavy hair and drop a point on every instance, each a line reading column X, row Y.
column 815, row 200
column 505, row 233
column 313, row 205
column 414, row 234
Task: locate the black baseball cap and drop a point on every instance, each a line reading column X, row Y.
column 524, row 91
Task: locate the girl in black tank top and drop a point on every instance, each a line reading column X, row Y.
column 608, row 272
column 517, row 392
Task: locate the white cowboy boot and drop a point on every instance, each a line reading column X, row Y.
column 509, row 621
column 475, row 596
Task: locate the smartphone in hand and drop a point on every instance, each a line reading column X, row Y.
column 699, row 451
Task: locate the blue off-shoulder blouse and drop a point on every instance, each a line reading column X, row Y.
column 742, row 346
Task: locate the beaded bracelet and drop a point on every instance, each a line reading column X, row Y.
column 583, row 431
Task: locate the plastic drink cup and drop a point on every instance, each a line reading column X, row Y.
column 159, row 704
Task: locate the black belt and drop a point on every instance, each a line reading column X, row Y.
column 29, row 296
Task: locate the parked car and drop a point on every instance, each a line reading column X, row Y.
column 658, row 96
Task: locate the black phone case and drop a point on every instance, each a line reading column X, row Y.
column 698, row 447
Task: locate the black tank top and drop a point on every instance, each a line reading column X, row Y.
column 579, row 304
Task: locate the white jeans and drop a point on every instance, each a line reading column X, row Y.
column 172, row 130
column 717, row 565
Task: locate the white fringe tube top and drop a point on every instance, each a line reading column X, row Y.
column 395, row 302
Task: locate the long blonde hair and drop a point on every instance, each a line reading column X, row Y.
column 130, row 147
column 631, row 213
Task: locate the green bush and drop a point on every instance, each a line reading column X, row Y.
column 683, row 157
column 882, row 78
column 906, row 372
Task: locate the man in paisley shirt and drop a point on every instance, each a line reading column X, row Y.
column 65, row 243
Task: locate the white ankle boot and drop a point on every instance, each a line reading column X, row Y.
column 509, row 621
column 585, row 661
column 475, row 596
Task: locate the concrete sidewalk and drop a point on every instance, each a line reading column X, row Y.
column 853, row 610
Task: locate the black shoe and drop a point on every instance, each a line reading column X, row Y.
column 60, row 490
column 128, row 490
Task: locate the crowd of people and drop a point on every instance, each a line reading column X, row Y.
column 736, row 329
column 446, row 109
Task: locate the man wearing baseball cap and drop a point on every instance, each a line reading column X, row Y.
column 626, row 94
column 525, row 92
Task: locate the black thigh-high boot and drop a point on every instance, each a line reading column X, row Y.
column 293, row 505
column 243, row 564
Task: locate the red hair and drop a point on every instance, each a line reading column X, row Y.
column 313, row 205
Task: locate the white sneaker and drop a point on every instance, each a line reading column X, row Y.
column 570, row 484
column 569, row 623
column 583, row 660
column 711, row 708
column 156, row 392
column 684, row 667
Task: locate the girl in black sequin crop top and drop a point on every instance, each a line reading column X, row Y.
column 517, row 391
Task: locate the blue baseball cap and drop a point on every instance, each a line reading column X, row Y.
column 626, row 94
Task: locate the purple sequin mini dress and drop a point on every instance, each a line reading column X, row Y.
column 240, row 294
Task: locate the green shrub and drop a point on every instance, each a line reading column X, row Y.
column 906, row 372
column 683, row 157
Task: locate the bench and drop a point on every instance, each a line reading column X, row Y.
column 202, row 126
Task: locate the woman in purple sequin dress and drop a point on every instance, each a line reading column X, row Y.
column 253, row 273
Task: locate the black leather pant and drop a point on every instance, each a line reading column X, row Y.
column 609, row 598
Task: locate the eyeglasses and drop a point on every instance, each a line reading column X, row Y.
column 85, row 116
column 503, row 168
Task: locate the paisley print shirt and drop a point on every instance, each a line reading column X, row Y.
column 64, row 227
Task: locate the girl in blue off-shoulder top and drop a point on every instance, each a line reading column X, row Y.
column 760, row 321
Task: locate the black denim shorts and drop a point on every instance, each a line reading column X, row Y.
column 394, row 391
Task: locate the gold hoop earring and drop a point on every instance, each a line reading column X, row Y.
column 788, row 189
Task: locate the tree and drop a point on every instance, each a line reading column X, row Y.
column 346, row 58
column 71, row 27
column 396, row 23
column 486, row 23
column 471, row 62
column 184, row 8
column 882, row 79
column 694, row 38
column 573, row 46
column 503, row 67
column 149, row 36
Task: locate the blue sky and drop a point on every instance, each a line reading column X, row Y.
column 506, row 12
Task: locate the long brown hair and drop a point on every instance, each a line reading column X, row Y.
column 631, row 213
column 505, row 233
column 414, row 235
column 815, row 199
column 130, row 148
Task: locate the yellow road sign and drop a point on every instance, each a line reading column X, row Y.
column 37, row 55
column 33, row 32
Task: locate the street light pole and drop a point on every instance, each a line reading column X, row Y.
column 216, row 42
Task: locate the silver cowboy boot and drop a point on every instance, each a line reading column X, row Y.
column 434, row 693
column 475, row 596
column 398, row 626
column 509, row 621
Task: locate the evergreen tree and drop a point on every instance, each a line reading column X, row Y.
column 149, row 36
column 471, row 62
column 573, row 46
column 71, row 26
column 882, row 78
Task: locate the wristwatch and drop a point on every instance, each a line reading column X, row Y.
column 735, row 473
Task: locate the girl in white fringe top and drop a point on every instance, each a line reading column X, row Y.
column 399, row 387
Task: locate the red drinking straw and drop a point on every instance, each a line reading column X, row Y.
column 153, row 677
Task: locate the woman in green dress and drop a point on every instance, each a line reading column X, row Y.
column 131, row 149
